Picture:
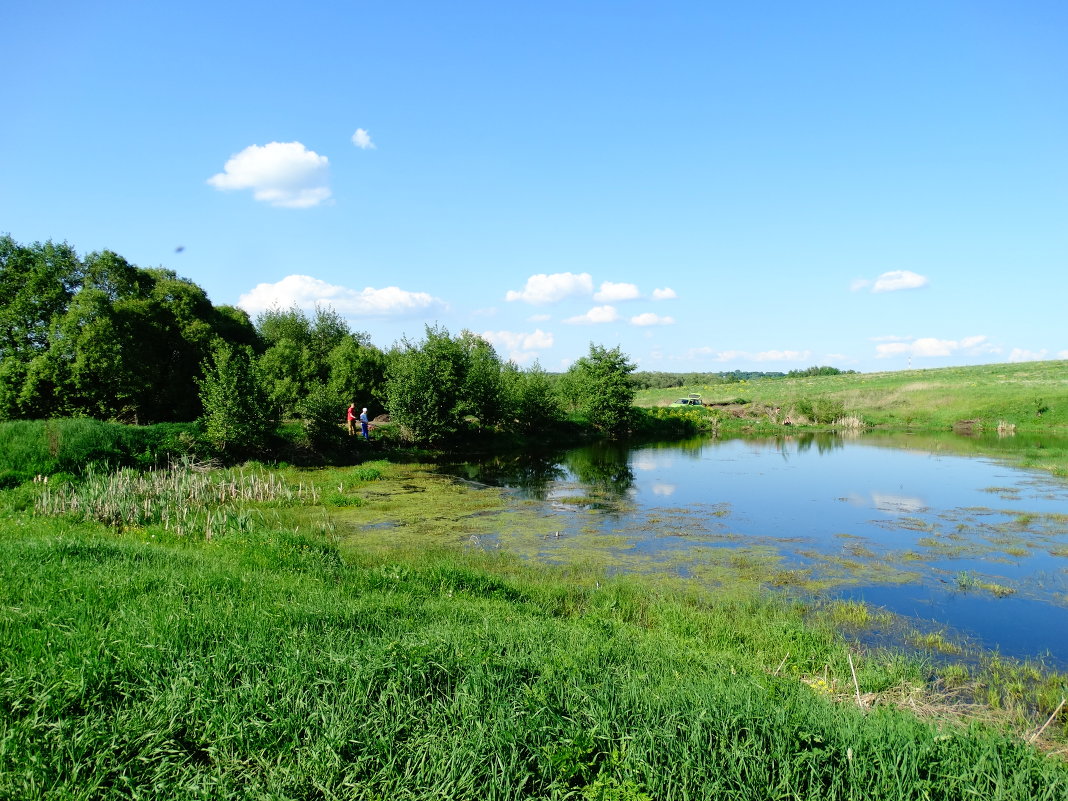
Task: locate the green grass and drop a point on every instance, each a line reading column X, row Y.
column 30, row 448
column 273, row 661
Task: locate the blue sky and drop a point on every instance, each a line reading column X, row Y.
column 709, row 185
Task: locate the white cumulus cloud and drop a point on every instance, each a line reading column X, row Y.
column 898, row 279
column 611, row 292
column 284, row 174
column 1024, row 355
column 927, row 347
column 542, row 288
column 889, row 349
column 648, row 318
column 521, row 347
column 598, row 314
column 306, row 292
column 362, row 139
column 667, row 293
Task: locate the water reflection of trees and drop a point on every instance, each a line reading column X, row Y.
column 603, row 466
column 533, row 473
column 825, row 441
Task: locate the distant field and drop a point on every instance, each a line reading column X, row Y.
column 1031, row 396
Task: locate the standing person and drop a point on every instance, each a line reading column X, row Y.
column 365, row 428
column 351, row 418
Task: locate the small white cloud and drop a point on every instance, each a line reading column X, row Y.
column 284, row 174
column 925, row 347
column 542, row 288
column 667, row 293
column 306, row 292
column 521, row 347
column 898, row 279
column 1062, row 354
column 859, row 284
column 889, row 349
column 534, row 340
column 930, row 346
column 611, row 292
column 1024, row 355
column 598, row 314
column 648, row 318
column 362, row 139
column 663, row 489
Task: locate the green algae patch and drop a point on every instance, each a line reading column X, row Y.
column 413, row 506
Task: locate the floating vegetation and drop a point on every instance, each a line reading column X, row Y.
column 935, row 641
column 966, row 581
column 1005, row 493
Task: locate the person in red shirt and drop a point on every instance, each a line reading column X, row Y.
column 351, row 418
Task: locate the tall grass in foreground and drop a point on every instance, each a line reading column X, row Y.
column 263, row 665
column 180, row 499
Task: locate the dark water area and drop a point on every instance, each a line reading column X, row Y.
column 919, row 525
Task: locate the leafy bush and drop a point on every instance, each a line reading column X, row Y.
column 237, row 413
column 600, row 388
column 822, row 410
column 320, row 414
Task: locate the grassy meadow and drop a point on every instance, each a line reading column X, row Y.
column 1031, row 396
column 260, row 648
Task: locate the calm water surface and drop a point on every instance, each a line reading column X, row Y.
column 958, row 541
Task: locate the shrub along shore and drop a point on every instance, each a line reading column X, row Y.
column 268, row 649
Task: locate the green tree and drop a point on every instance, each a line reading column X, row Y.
column 238, row 416
column 530, row 399
column 129, row 346
column 433, row 386
column 358, row 373
column 600, row 388
column 481, row 393
column 321, row 411
column 37, row 283
column 298, row 349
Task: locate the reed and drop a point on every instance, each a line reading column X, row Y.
column 180, row 498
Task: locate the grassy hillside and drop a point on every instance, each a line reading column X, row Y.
column 1030, row 395
column 275, row 661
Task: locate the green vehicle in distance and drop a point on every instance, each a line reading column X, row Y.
column 690, row 400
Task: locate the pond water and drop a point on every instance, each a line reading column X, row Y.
column 909, row 523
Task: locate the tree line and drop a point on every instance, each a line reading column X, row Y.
column 103, row 338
